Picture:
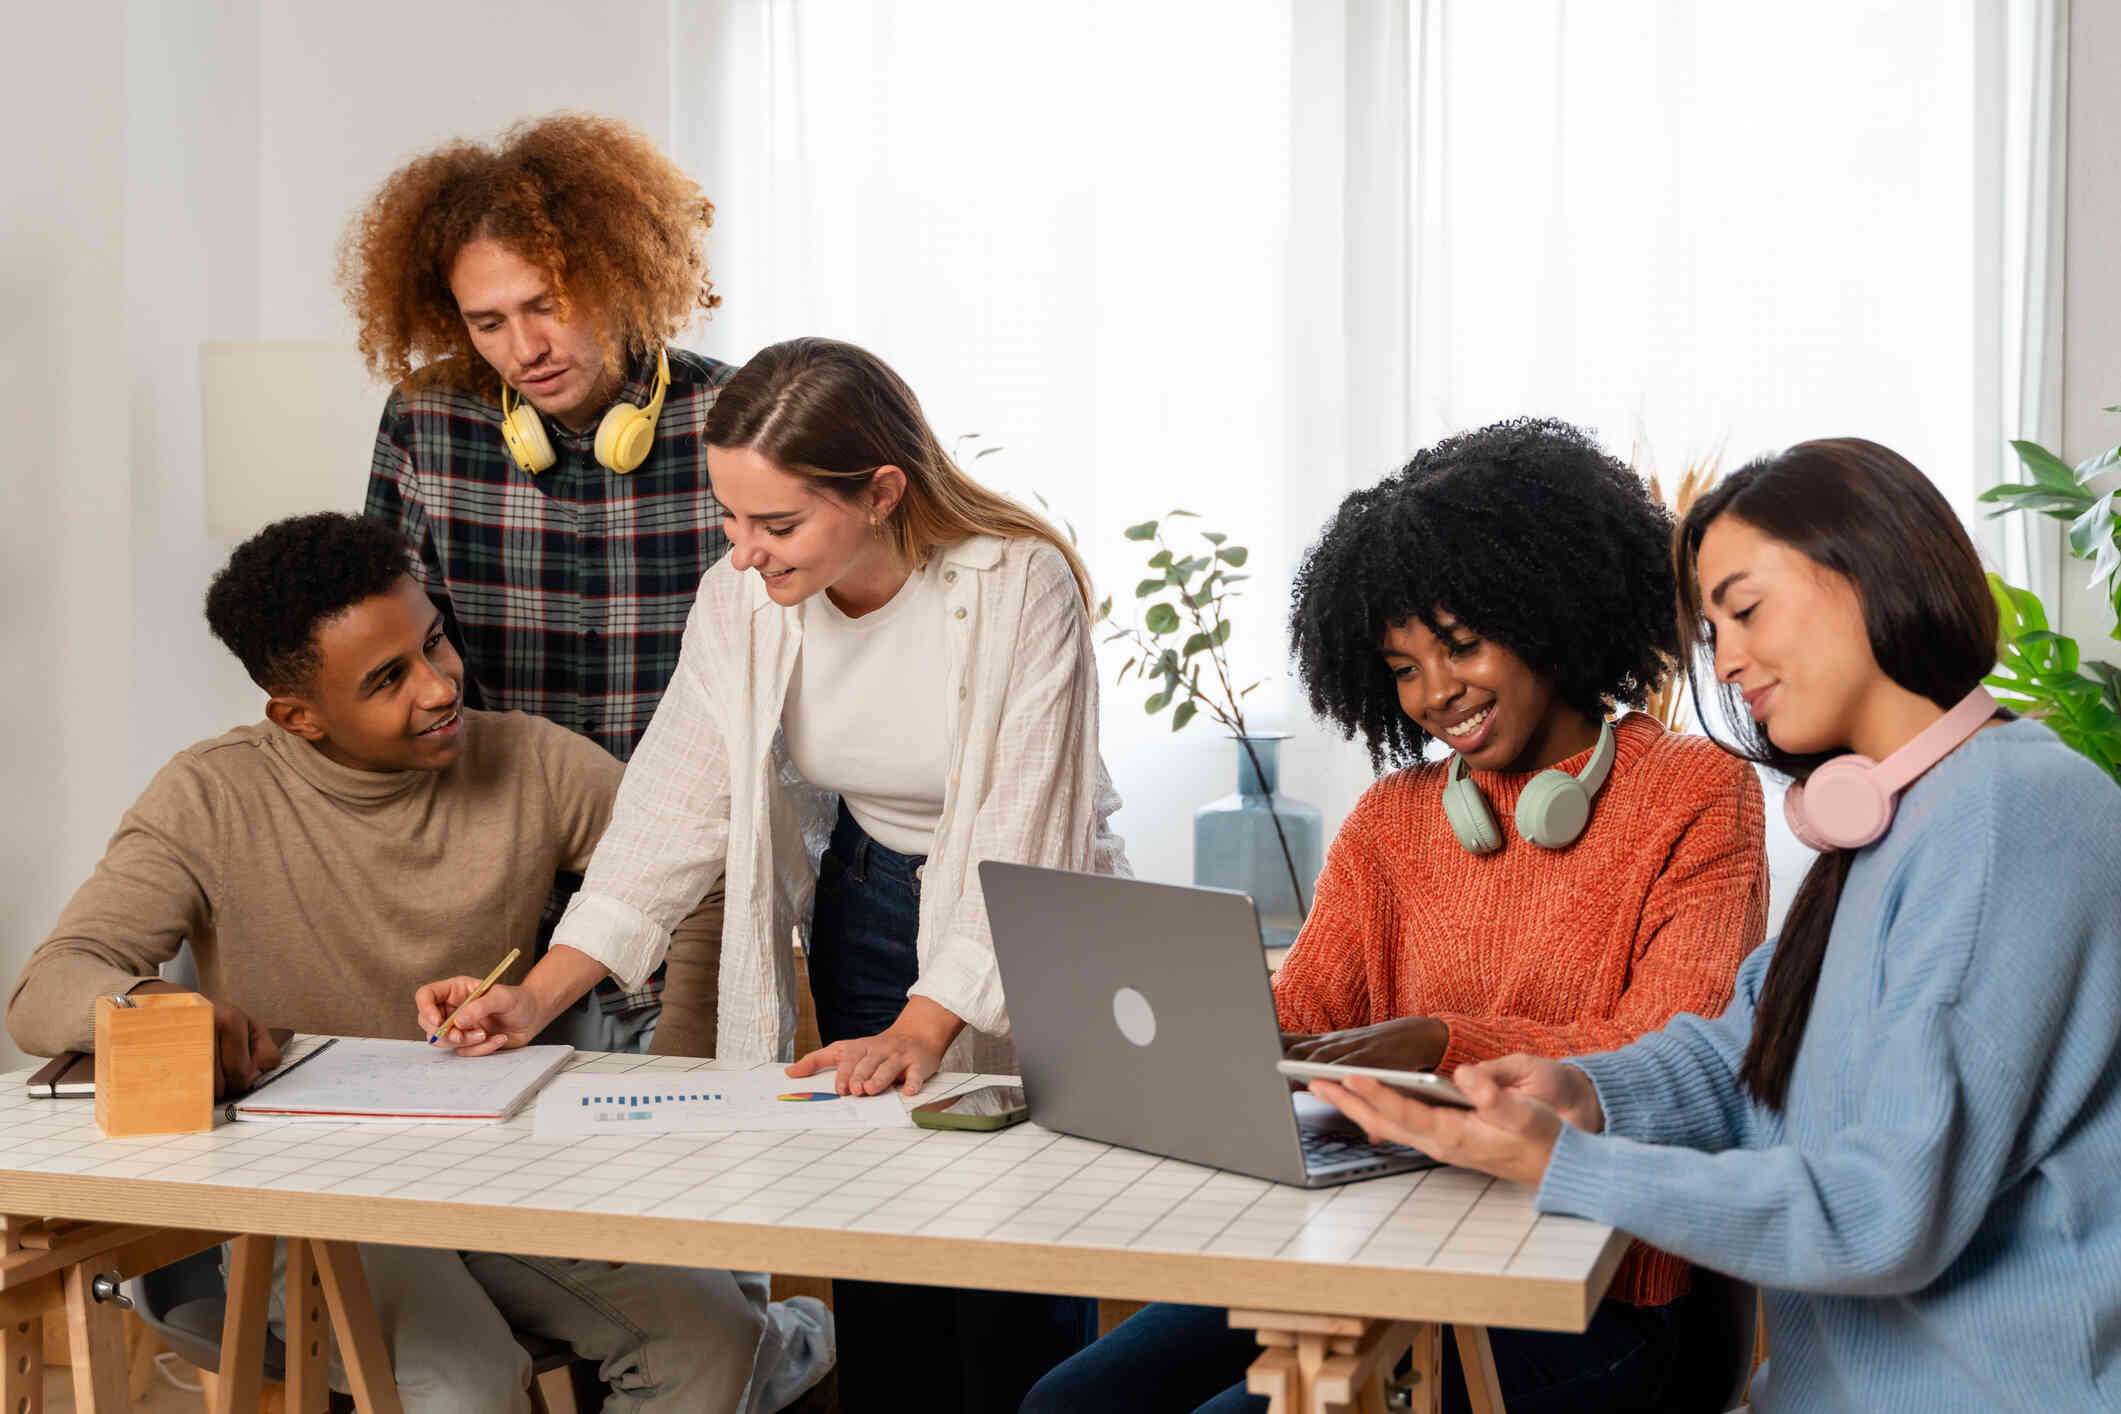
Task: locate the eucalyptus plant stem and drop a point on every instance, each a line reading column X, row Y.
column 1288, row 860
column 1236, row 720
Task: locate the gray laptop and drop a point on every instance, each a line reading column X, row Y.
column 1143, row 1016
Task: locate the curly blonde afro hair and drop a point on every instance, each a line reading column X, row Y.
column 589, row 200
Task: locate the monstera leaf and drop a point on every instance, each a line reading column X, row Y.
column 2038, row 673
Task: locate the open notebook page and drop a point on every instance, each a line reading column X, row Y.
column 362, row 1078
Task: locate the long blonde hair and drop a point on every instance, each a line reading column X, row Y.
column 834, row 413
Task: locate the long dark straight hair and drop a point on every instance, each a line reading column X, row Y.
column 1865, row 513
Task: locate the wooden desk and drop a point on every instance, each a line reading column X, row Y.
column 1393, row 1259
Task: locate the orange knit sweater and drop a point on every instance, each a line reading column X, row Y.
column 1557, row 953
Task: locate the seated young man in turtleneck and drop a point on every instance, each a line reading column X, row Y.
column 369, row 835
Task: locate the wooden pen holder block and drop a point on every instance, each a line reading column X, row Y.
column 155, row 1064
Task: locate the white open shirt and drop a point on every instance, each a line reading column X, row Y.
column 710, row 791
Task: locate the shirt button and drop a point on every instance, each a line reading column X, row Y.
column 949, row 576
column 591, row 636
column 961, row 692
column 589, row 726
column 959, row 614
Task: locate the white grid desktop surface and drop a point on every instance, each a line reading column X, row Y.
column 1024, row 1206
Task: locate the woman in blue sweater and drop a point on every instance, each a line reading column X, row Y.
column 1907, row 1126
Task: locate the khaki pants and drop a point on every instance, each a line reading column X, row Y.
column 664, row 1338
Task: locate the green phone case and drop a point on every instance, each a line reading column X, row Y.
column 946, row 1119
column 943, row 1119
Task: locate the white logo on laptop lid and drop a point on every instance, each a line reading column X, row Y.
column 1132, row 1013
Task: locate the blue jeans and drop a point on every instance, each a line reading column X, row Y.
column 973, row 1350
column 1169, row 1359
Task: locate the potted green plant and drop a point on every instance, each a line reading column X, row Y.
column 1238, row 841
column 2038, row 671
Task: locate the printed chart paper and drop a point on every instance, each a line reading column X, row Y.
column 715, row 1101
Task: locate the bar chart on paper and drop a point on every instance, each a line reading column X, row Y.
column 665, row 1102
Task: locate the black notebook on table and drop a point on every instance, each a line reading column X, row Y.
column 71, row 1075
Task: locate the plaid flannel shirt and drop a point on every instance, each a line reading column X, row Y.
column 566, row 592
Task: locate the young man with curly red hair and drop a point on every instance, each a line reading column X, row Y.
column 545, row 276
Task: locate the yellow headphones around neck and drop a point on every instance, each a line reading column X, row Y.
column 623, row 437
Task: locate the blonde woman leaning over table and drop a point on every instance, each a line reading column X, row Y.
column 888, row 632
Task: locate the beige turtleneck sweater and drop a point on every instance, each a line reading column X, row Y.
column 320, row 897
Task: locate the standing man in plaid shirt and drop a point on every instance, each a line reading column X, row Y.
column 542, row 449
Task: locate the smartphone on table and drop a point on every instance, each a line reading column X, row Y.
column 988, row 1107
column 1415, row 1084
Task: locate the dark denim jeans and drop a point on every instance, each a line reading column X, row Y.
column 969, row 1351
column 1168, row 1359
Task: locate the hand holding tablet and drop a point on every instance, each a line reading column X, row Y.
column 1415, row 1084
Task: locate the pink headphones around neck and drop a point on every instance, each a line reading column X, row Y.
column 1848, row 802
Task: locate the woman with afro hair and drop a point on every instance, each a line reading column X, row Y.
column 1501, row 598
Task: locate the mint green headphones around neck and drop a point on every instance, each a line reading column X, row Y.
column 1551, row 813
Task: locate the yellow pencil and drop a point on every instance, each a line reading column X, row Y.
column 476, row 993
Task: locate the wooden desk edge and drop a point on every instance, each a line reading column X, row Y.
column 1281, row 1284
column 1602, row 1275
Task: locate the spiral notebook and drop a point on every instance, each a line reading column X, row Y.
column 342, row 1079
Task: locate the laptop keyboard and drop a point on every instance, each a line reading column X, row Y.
column 1325, row 1149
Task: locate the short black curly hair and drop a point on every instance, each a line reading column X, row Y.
column 1525, row 532
column 267, row 601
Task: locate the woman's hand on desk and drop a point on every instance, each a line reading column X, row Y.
column 1519, row 1107
column 906, row 1053
column 1410, row 1043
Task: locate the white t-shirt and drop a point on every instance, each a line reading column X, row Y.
column 866, row 713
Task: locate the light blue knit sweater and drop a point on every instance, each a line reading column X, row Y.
column 1935, row 1215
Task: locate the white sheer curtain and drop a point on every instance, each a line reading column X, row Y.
column 1720, row 227
column 2021, row 92
column 1243, row 255
column 1066, row 243
column 1067, row 226
column 1701, row 225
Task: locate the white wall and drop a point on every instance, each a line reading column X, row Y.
column 191, row 255
column 2091, row 291
column 348, row 92
column 64, row 573
column 199, row 194
column 255, row 132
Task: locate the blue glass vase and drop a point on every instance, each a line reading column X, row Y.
column 1235, row 845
